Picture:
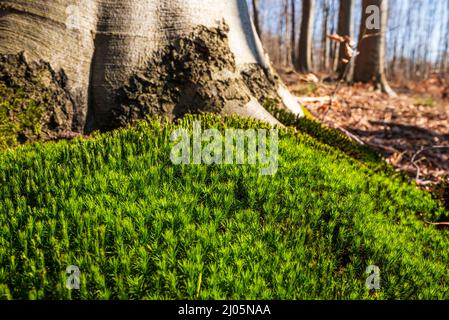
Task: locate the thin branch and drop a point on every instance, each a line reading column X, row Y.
column 351, row 135
column 422, row 149
column 345, row 74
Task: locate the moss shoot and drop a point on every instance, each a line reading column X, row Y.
column 139, row 227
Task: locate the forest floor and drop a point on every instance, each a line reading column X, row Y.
column 411, row 130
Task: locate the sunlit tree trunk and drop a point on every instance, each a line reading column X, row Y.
column 304, row 63
column 345, row 28
column 287, row 34
column 370, row 64
column 256, row 15
column 100, row 45
column 293, row 31
column 324, row 37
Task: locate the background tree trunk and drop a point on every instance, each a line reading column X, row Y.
column 306, row 38
column 101, row 45
column 287, row 34
column 324, row 37
column 345, row 28
column 293, row 31
column 370, row 64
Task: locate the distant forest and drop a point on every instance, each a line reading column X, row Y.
column 417, row 36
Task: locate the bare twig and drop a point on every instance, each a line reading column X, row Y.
column 313, row 99
column 356, row 52
column 437, row 223
column 342, row 80
column 422, row 149
column 351, row 135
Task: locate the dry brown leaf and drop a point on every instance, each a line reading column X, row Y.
column 396, row 158
column 336, row 37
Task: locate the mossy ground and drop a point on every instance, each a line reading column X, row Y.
column 139, row 227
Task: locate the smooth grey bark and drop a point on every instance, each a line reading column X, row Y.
column 44, row 31
column 100, row 44
column 304, row 63
column 345, row 28
column 256, row 15
column 370, row 63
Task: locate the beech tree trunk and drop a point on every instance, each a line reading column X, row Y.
column 102, row 45
column 257, row 17
column 370, row 63
column 293, row 31
column 306, row 37
column 345, row 28
column 287, row 34
column 324, row 37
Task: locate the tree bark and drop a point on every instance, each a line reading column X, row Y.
column 324, row 37
column 306, row 38
column 445, row 41
column 370, row 63
column 100, row 45
column 293, row 31
column 345, row 28
column 256, row 15
column 287, row 34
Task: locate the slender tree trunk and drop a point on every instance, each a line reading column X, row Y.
column 345, row 28
column 334, row 46
column 444, row 40
column 256, row 14
column 446, row 46
column 293, row 31
column 106, row 47
column 280, row 37
column 287, row 33
column 409, row 66
column 306, row 38
column 370, row 63
column 398, row 13
column 445, row 58
column 416, row 57
column 324, row 38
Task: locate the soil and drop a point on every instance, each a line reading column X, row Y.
column 39, row 83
